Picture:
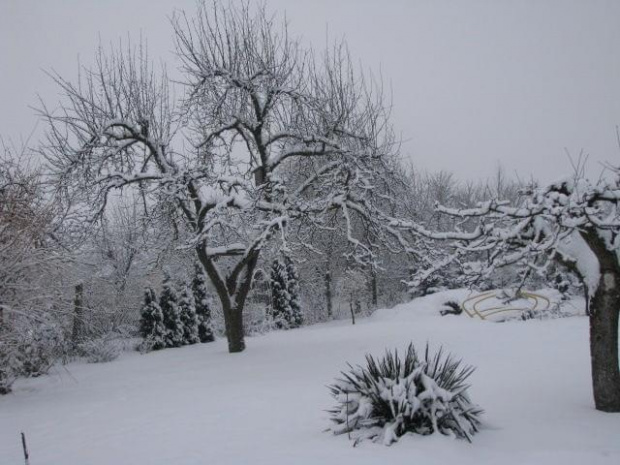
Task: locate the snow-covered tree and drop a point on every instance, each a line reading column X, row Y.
column 202, row 302
column 292, row 279
column 573, row 221
column 277, row 134
column 169, row 304
column 187, row 314
column 152, row 327
column 29, row 256
column 352, row 288
column 31, row 268
column 284, row 283
column 281, row 312
column 123, row 252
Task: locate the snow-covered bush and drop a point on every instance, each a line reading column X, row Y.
column 203, row 307
column 556, row 310
column 148, row 344
column 296, row 317
column 169, row 304
column 280, row 299
column 100, row 350
column 10, row 364
column 188, row 317
column 391, row 397
column 284, row 283
column 451, row 307
column 353, row 290
column 39, row 347
column 152, row 328
column 29, row 349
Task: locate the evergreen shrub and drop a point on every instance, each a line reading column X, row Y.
column 394, row 396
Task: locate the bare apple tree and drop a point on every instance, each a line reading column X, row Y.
column 267, row 135
column 573, row 221
column 27, row 219
column 31, row 264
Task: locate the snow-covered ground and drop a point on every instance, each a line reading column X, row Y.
column 201, row 405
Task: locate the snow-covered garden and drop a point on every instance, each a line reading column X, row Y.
column 235, row 263
column 268, row 405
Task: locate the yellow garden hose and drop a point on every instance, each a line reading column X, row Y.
column 475, row 300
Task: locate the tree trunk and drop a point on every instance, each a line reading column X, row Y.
column 232, row 294
column 604, row 326
column 604, row 343
column 328, row 294
column 351, row 308
column 78, row 315
column 373, row 289
column 233, row 321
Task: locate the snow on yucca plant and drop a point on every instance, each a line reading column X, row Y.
column 391, row 397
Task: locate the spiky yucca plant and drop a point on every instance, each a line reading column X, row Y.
column 392, row 396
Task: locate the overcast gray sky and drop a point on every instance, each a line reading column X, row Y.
column 475, row 83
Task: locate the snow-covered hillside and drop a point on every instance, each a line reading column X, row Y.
column 200, row 404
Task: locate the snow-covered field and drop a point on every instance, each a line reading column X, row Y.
column 201, row 405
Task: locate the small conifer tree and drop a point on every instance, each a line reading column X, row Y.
column 189, row 319
column 203, row 310
column 280, row 299
column 295, row 316
column 169, row 304
column 152, row 328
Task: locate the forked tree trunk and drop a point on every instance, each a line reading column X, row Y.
column 232, row 294
column 604, row 308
